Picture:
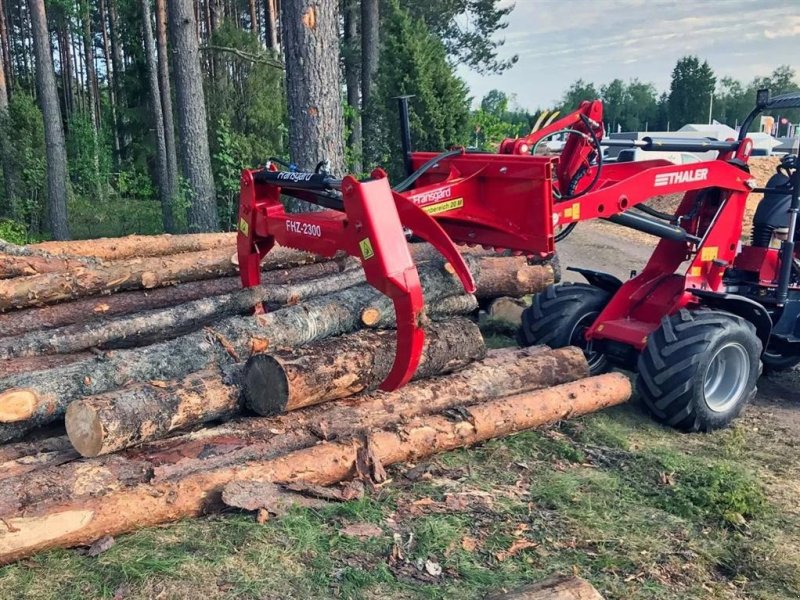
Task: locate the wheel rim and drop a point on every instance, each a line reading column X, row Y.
column 578, row 338
column 726, row 377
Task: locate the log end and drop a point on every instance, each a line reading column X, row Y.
column 370, row 316
column 85, row 429
column 17, row 405
column 265, row 386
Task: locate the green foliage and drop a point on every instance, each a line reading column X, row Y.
column 27, row 161
column 690, row 91
column 467, row 29
column 13, row 232
column 414, row 62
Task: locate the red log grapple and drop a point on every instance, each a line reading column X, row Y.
column 695, row 322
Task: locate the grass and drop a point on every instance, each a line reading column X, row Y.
column 639, row 510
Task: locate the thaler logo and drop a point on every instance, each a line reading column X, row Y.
column 663, row 179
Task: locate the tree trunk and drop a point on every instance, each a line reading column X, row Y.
column 91, row 75
column 290, row 379
column 140, row 245
column 352, row 77
column 202, row 211
column 271, row 25
column 86, row 310
column 251, row 5
column 557, row 588
column 370, row 53
column 53, row 129
column 121, row 509
column 131, row 274
column 119, row 74
column 110, row 79
column 311, row 46
column 140, row 329
column 162, row 165
column 165, row 88
column 135, row 414
column 5, row 47
column 7, row 207
column 503, row 372
column 230, row 340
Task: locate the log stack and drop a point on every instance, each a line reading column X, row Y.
column 171, row 388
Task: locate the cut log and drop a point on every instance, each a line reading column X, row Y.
column 502, row 372
column 17, row 366
column 463, row 304
column 125, row 303
column 140, row 245
column 131, row 274
column 139, row 329
column 556, row 588
column 341, row 367
column 508, row 310
column 318, row 373
column 513, row 276
column 19, row 266
column 118, row 509
column 230, row 340
column 22, row 458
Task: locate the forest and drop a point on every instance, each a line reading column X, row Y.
column 137, row 116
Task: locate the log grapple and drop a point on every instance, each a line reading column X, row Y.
column 701, row 282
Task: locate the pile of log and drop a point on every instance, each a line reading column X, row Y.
column 170, row 385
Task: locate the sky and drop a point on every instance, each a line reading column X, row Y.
column 559, row 41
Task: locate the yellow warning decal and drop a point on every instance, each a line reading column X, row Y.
column 442, row 207
column 568, row 213
column 695, row 271
column 244, row 227
column 366, row 249
column 576, row 210
column 710, row 253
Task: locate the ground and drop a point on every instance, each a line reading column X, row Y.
column 639, row 510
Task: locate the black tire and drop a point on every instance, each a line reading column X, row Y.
column 686, row 372
column 774, row 362
column 560, row 314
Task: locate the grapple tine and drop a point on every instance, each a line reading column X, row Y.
column 408, row 307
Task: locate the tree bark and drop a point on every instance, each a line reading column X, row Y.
column 54, row 131
column 512, row 276
column 251, row 5
column 311, row 46
column 5, row 47
column 7, row 207
column 556, row 588
column 151, row 326
column 230, row 340
column 503, row 372
column 192, row 120
column 140, row 245
column 20, row 266
column 85, row 310
column 85, row 519
column 352, row 77
column 135, row 414
column 370, row 54
column 162, row 165
column 165, row 89
column 130, row 274
column 383, row 317
column 287, row 380
column 29, row 364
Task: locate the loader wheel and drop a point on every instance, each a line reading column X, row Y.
column 560, row 316
column 699, row 369
column 774, row 362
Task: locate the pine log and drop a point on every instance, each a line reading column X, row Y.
column 17, row 366
column 340, row 367
column 19, row 459
column 463, row 304
column 19, row 266
column 135, row 414
column 230, row 340
column 131, row 274
column 119, row 509
column 140, row 245
column 513, row 276
column 155, row 325
column 503, row 372
column 556, row 588
column 507, row 310
column 124, row 303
